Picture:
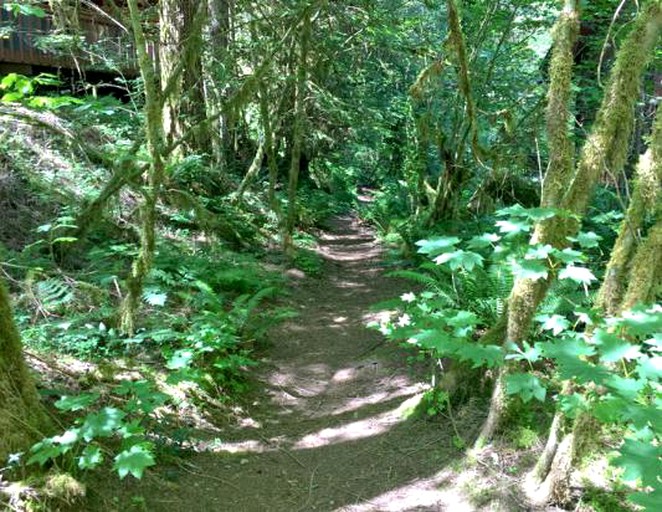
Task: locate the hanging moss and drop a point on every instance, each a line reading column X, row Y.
column 558, row 115
column 645, row 276
column 644, row 201
column 607, row 146
column 155, row 142
column 22, row 419
column 456, row 38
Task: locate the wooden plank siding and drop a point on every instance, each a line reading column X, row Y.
column 102, row 37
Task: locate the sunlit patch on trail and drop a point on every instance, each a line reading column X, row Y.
column 438, row 491
column 368, row 427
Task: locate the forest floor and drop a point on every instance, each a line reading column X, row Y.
column 329, row 424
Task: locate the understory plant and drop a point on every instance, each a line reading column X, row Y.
column 575, row 358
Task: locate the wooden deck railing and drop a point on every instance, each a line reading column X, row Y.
column 101, row 44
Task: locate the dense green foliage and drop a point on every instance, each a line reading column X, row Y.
column 153, row 210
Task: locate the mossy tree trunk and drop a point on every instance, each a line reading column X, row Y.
column 217, row 71
column 455, row 175
column 644, row 203
column 527, row 294
column 300, row 93
column 180, row 65
column 605, row 149
column 155, row 141
column 22, row 418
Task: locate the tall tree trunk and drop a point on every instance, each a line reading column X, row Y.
column 155, row 141
column 216, row 80
column 22, row 418
column 528, row 293
column 300, row 92
column 644, row 200
column 605, row 148
column 180, row 47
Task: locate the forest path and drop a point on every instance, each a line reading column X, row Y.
column 328, row 431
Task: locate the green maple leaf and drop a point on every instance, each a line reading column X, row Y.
column 134, row 461
column 44, row 451
column 612, row 348
column 435, row 339
column 539, row 252
column 629, row 389
column 102, row 424
column 526, row 385
column 512, row 228
column 642, row 322
column 555, row 323
column 641, row 461
column 76, row 403
column 649, row 500
column 479, row 355
column 460, row 259
column 568, row 255
column 434, row 246
column 483, row 241
column 586, row 240
column 649, row 367
column 569, row 353
column 572, row 404
column 529, row 269
column 527, row 353
column 90, row 458
column 577, row 274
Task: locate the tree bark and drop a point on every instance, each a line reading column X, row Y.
column 605, row 147
column 155, row 141
column 22, row 418
column 297, row 135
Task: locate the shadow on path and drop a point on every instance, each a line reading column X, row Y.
column 330, row 430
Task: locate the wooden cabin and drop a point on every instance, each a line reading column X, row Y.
column 31, row 43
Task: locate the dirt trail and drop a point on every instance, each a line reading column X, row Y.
column 328, row 433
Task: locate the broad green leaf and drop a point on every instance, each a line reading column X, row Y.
column 641, row 461
column 180, row 359
column 555, row 323
column 611, row 348
column 649, row 500
column 578, row 274
column 90, row 458
column 586, row 240
column 435, row 339
column 78, row 402
column 539, row 252
column 529, row 269
column 513, row 227
column 541, row 213
column 642, row 322
column 649, row 367
column 479, row 354
column 434, row 246
column 463, row 319
column 460, row 259
column 134, row 461
column 527, row 353
column 44, row 451
column 483, row 241
column 526, row 385
column 568, row 255
column 572, row 404
column 102, row 424
column 568, row 353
